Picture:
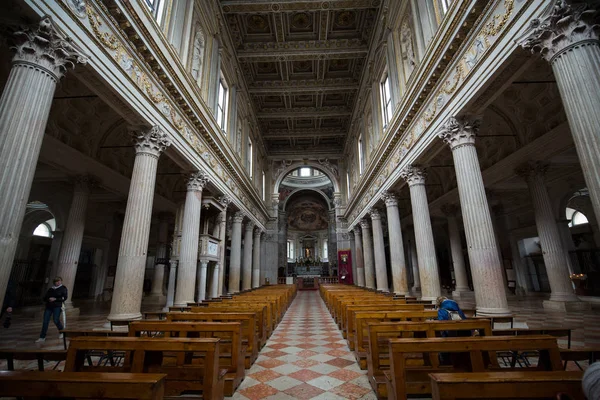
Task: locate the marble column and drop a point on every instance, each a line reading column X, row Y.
column 282, row 240
column 161, row 257
column 190, row 234
column 235, row 258
column 358, row 257
column 379, row 252
column 133, row 251
column 567, row 240
column 256, row 259
column 224, row 200
column 368, row 254
column 201, row 280
column 41, row 60
column 171, row 285
column 486, row 267
column 458, row 259
column 247, row 263
column 427, row 259
column 68, row 257
column 399, row 273
column 214, row 281
column 568, row 38
column 553, row 252
column 414, row 264
column 174, row 257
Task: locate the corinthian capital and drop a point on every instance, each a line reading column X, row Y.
column 364, row 224
column 460, row 131
column 568, row 24
column 46, row 48
column 374, row 213
column 197, row 181
column 257, row 232
column 357, row 232
column 238, row 217
column 532, row 169
column 414, row 175
column 225, row 201
column 390, row 199
column 153, row 141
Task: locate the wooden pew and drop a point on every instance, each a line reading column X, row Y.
column 71, row 333
column 11, row 355
column 589, row 354
column 259, row 311
column 249, row 330
column 362, row 318
column 231, row 351
column 160, row 315
column 556, row 332
column 349, row 322
column 342, row 311
column 506, row 385
column 82, row 385
column 379, row 333
column 172, row 356
column 403, row 380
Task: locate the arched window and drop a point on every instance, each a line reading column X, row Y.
column 576, row 217
column 45, row 228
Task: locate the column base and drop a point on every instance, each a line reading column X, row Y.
column 493, row 312
column 429, row 298
column 566, row 305
column 155, row 299
column 72, row 312
column 124, row 317
column 463, row 294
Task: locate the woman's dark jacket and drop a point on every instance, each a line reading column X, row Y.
column 60, row 294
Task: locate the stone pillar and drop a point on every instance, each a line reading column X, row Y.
column 568, row 38
column 399, row 273
column 458, row 260
column 522, row 279
column 379, row 252
column 214, row 281
column 41, row 60
column 190, row 234
column 161, row 258
column 236, row 253
column 428, row 267
column 171, row 287
column 282, row 240
column 133, row 251
column 368, row 254
column 567, row 240
column 414, row 264
column 201, row 280
column 358, row 257
column 562, row 296
column 486, row 267
column 247, row 266
column 331, row 243
column 68, row 257
column 256, row 259
column 224, row 200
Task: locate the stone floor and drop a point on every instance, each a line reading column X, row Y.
column 306, row 357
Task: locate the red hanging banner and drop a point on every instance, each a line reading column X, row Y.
column 345, row 267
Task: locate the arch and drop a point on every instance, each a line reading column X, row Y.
column 298, row 164
column 327, row 199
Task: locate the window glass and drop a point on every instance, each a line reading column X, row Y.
column 290, row 249
column 250, row 157
column 360, row 155
column 387, row 101
column 221, row 105
column 445, row 5
column 304, row 171
column 576, row 217
column 264, row 187
column 348, row 183
column 325, row 249
column 157, row 8
column 42, row 229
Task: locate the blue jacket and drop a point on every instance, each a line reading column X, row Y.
column 449, row 305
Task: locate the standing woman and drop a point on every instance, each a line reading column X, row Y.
column 54, row 298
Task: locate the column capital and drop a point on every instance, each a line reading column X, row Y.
column 225, row 201
column 238, row 217
column 257, row 233
column 532, row 169
column 460, row 131
column 44, row 46
column 375, row 215
column 357, row 231
column 364, row 224
column 391, row 200
column 197, row 181
column 450, row 210
column 414, row 175
column 565, row 26
column 152, row 141
column 84, row 183
column 250, row 225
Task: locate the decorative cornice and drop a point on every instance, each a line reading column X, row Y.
column 460, row 131
column 569, row 24
column 414, row 175
column 153, row 141
column 45, row 47
column 197, row 181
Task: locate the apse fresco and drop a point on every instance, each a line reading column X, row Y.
column 306, row 213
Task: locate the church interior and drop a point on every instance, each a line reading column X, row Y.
column 300, row 199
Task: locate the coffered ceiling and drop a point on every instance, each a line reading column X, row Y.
column 302, row 61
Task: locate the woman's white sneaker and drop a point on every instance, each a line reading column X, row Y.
column 40, row 340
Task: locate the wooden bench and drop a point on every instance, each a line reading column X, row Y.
column 379, row 333
column 82, row 385
column 506, row 385
column 231, row 350
column 342, row 311
column 249, row 330
column 259, row 310
column 468, row 354
column 178, row 358
column 556, row 332
column 349, row 322
column 589, row 354
column 30, row 355
column 71, row 333
column 160, row 315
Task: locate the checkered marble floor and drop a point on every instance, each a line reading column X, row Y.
column 305, row 358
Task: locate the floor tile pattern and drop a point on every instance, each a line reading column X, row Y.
column 305, row 358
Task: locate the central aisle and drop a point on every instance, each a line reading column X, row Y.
column 305, row 358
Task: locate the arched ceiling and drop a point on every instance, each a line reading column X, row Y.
column 302, row 62
column 307, row 210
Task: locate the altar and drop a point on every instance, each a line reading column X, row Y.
column 308, row 270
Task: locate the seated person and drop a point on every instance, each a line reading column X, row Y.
column 449, row 310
